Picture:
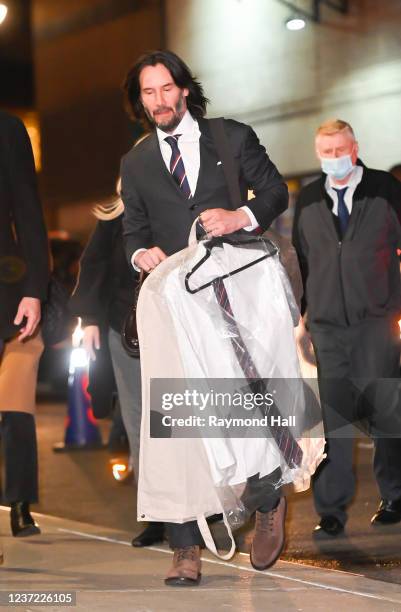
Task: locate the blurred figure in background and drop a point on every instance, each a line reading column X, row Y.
column 102, row 297
column 24, row 276
column 347, row 229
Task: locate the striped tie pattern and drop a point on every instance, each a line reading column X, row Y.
column 177, row 167
column 283, row 437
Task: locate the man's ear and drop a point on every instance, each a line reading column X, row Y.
column 317, row 147
column 355, row 152
column 185, row 91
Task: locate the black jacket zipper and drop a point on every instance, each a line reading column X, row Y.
column 342, row 284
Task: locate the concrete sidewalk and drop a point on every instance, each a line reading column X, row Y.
column 79, row 486
column 107, row 574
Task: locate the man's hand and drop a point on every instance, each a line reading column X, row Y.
column 148, row 260
column 91, row 341
column 304, row 341
column 30, row 308
column 218, row 221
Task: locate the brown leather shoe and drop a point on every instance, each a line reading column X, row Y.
column 269, row 536
column 186, row 567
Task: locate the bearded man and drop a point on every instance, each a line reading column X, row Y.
column 168, row 180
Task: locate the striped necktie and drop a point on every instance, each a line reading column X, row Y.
column 282, row 435
column 343, row 213
column 177, row 167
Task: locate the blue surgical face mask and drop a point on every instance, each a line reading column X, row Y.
column 337, row 167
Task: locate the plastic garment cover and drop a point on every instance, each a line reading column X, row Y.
column 227, row 416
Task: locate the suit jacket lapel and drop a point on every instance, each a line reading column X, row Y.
column 208, row 157
column 156, row 162
column 207, row 168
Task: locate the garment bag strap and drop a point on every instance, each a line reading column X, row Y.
column 208, row 538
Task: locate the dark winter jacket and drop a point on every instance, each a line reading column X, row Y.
column 349, row 279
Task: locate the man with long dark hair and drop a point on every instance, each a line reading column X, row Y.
column 168, row 180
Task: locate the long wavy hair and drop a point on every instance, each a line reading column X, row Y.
column 111, row 209
column 182, row 76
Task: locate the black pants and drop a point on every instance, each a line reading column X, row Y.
column 20, row 457
column 188, row 534
column 350, row 362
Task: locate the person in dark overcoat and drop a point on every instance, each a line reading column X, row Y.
column 24, row 277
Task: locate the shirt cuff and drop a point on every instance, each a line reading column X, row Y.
column 252, row 218
column 133, row 259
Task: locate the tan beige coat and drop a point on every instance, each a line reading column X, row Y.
column 19, row 364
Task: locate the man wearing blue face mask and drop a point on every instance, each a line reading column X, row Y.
column 347, row 229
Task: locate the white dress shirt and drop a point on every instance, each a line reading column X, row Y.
column 352, row 184
column 188, row 144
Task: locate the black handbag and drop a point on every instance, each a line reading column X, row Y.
column 129, row 331
column 56, row 317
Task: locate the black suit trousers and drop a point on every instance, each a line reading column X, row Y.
column 358, row 368
column 188, row 534
column 20, row 457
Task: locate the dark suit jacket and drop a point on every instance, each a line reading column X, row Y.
column 157, row 213
column 106, row 283
column 24, row 255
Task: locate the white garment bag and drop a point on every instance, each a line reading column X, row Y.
column 187, row 338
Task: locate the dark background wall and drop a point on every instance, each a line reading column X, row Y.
column 82, row 50
column 16, row 71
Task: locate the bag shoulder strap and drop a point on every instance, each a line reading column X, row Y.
column 141, row 279
column 227, row 159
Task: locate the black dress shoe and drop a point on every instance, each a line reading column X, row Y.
column 22, row 523
column 153, row 534
column 329, row 527
column 388, row 512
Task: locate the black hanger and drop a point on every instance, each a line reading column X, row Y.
column 218, row 242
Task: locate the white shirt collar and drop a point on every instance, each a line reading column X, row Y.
column 188, row 128
column 352, row 182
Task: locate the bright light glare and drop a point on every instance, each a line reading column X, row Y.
column 295, row 23
column 78, row 334
column 118, row 471
column 78, row 359
column 3, row 12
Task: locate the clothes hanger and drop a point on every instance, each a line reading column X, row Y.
column 218, row 242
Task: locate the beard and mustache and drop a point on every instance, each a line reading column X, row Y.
column 178, row 111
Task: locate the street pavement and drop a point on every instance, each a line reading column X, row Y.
column 98, row 566
column 88, row 520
